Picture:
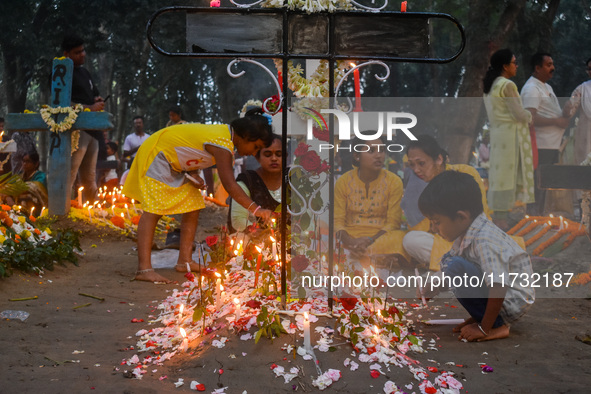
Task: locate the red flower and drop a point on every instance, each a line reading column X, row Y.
column 211, row 240
column 311, row 161
column 393, row 310
column 348, row 303
column 374, row 374
column 254, row 304
column 200, row 387
column 302, row 149
column 118, row 221
column 320, row 133
column 433, row 369
column 190, row 276
column 299, row 263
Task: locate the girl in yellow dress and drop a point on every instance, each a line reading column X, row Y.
column 160, row 177
column 367, row 204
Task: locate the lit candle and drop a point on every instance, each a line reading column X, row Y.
column 258, row 267
column 307, row 342
column 42, row 209
column 561, row 225
column 236, row 309
column 274, row 248
column 185, row 345
column 376, row 332
column 80, row 196
column 90, row 213
column 421, row 291
column 218, row 291
column 357, row 89
column 133, row 205
column 127, row 209
column 113, row 209
column 31, row 213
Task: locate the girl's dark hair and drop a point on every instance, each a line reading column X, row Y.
column 254, row 126
column 429, row 145
column 113, row 145
column 497, row 61
column 358, row 141
column 274, row 138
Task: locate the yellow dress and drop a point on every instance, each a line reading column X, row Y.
column 157, row 175
column 440, row 245
column 362, row 213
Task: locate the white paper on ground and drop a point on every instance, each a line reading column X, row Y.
column 445, row 321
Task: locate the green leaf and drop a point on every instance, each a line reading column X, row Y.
column 412, row 339
column 197, row 314
column 358, row 329
column 354, row 318
column 332, row 349
column 257, row 336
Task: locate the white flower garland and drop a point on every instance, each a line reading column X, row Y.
column 66, row 124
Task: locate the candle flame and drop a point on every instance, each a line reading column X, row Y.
column 221, row 288
column 257, row 248
column 123, row 216
column 218, row 275
column 81, row 188
column 376, row 329
column 236, row 301
column 232, row 242
column 272, row 239
column 352, row 64
column 181, row 308
column 306, row 316
column 183, row 332
column 236, row 252
column 551, row 215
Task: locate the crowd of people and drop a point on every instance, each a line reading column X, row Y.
column 438, row 217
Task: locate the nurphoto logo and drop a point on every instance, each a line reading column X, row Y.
column 387, row 122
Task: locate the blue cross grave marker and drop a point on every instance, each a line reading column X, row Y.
column 58, row 173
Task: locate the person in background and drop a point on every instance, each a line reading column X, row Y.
column 85, row 92
column 539, row 98
column 111, row 179
column 262, row 185
column 511, row 171
column 580, row 100
column 134, row 140
column 367, row 212
column 36, row 180
column 175, row 116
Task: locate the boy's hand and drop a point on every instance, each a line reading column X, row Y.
column 471, row 333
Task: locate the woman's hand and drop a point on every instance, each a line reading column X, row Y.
column 264, row 215
column 195, row 179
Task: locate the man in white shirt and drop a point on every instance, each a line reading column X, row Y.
column 539, row 98
column 134, row 140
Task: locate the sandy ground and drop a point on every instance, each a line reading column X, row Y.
column 541, row 355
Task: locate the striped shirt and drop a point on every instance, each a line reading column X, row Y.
column 500, row 258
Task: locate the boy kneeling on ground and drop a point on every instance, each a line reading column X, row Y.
column 453, row 203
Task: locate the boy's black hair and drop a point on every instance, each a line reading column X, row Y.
column 138, row 117
column 176, row 109
column 450, row 192
column 113, row 145
column 71, row 41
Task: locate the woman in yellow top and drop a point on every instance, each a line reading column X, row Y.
column 160, row 178
column 427, row 160
column 367, row 213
